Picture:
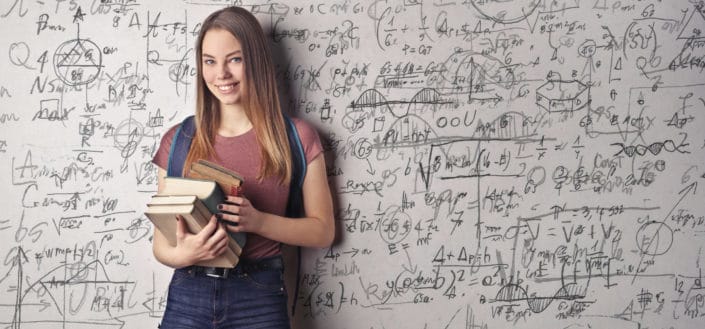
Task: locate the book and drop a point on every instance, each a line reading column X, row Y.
column 206, row 190
column 162, row 211
column 170, row 200
column 165, row 200
column 230, row 181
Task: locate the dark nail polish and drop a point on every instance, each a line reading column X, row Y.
column 219, row 216
column 220, row 207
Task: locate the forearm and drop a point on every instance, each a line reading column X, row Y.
column 317, row 229
column 306, row 232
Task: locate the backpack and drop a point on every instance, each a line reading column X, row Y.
column 181, row 144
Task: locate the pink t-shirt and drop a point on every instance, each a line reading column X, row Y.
column 242, row 154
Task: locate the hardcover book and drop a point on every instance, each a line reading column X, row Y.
column 230, row 181
column 206, row 190
column 162, row 211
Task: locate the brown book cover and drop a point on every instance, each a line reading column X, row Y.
column 230, row 181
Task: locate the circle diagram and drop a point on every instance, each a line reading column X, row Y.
column 77, row 62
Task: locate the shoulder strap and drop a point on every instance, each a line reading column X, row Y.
column 294, row 207
column 180, row 146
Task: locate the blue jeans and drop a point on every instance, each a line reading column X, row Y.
column 248, row 298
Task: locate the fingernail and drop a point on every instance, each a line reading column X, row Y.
column 219, row 216
column 220, row 207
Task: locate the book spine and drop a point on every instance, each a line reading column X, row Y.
column 214, row 199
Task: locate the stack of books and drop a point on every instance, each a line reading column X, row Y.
column 196, row 198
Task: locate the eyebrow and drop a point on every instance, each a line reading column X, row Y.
column 228, row 55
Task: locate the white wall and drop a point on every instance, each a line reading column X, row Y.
column 528, row 164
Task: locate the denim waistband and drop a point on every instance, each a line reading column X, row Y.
column 244, row 266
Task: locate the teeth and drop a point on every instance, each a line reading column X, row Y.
column 226, row 87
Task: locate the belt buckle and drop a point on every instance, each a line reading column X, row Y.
column 221, row 274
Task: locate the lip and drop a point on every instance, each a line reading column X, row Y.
column 227, row 88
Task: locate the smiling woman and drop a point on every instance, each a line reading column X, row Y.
column 239, row 125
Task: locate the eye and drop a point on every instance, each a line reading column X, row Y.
column 208, row 61
column 236, row 59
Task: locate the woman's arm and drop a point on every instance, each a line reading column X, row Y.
column 190, row 248
column 317, row 229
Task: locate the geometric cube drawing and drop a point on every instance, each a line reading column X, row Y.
column 562, row 96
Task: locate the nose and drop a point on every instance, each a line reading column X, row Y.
column 223, row 72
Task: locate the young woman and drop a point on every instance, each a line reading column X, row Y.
column 240, row 126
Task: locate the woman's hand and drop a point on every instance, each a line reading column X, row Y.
column 209, row 243
column 240, row 216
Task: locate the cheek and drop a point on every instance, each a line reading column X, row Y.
column 208, row 75
column 238, row 70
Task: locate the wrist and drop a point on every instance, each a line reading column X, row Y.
column 180, row 258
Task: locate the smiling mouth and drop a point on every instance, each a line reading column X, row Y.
column 228, row 87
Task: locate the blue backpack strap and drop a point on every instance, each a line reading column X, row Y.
column 180, row 146
column 295, row 204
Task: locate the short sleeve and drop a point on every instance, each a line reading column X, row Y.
column 310, row 140
column 161, row 158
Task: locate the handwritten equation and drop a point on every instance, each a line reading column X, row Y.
column 494, row 164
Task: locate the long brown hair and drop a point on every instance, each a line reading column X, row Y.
column 260, row 98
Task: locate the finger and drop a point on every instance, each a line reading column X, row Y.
column 219, row 235
column 212, row 244
column 215, row 241
column 229, row 208
column 221, row 244
column 221, row 249
column 229, row 219
column 234, row 227
column 208, row 230
column 234, row 199
column 216, row 250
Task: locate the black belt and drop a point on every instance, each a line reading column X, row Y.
column 244, row 266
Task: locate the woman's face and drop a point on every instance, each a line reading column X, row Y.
column 223, row 67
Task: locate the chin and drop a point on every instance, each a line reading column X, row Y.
column 230, row 100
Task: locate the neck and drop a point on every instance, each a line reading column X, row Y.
column 233, row 121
